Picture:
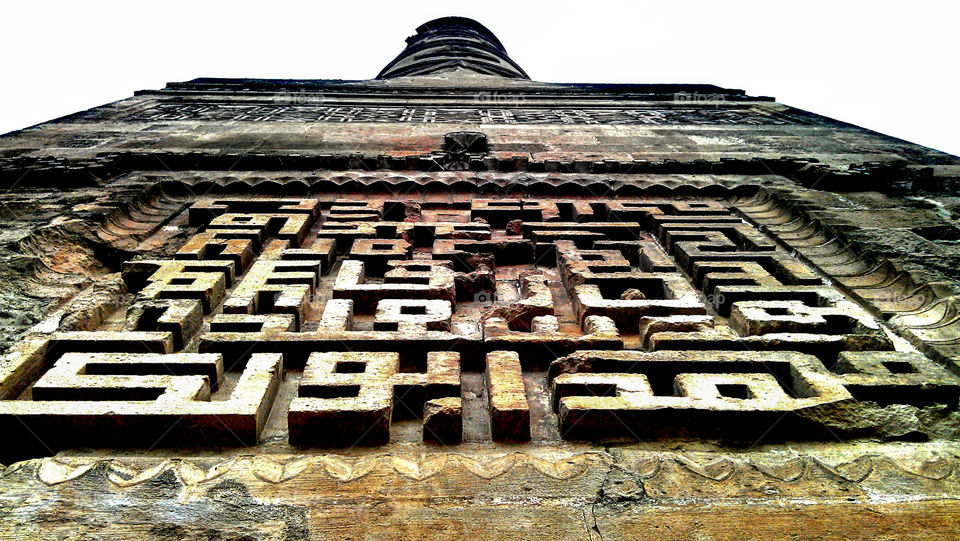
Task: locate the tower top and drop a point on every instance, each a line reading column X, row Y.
column 452, row 43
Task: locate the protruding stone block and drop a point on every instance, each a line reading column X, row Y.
column 443, row 421
column 509, row 411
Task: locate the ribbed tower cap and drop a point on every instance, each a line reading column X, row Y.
column 451, row 43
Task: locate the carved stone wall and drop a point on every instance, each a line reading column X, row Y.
column 427, row 335
column 460, row 304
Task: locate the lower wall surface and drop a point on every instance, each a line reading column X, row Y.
column 895, row 492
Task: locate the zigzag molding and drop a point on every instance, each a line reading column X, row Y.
column 890, row 177
column 569, row 185
column 926, row 314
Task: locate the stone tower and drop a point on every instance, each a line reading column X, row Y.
column 452, row 301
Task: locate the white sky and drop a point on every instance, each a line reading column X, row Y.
column 887, row 66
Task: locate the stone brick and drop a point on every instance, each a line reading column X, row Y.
column 509, row 412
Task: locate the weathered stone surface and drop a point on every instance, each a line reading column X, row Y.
column 348, row 399
column 509, row 412
column 443, row 420
column 464, row 303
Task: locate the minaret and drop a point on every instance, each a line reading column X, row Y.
column 451, row 43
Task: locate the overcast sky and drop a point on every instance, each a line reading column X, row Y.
column 887, row 66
